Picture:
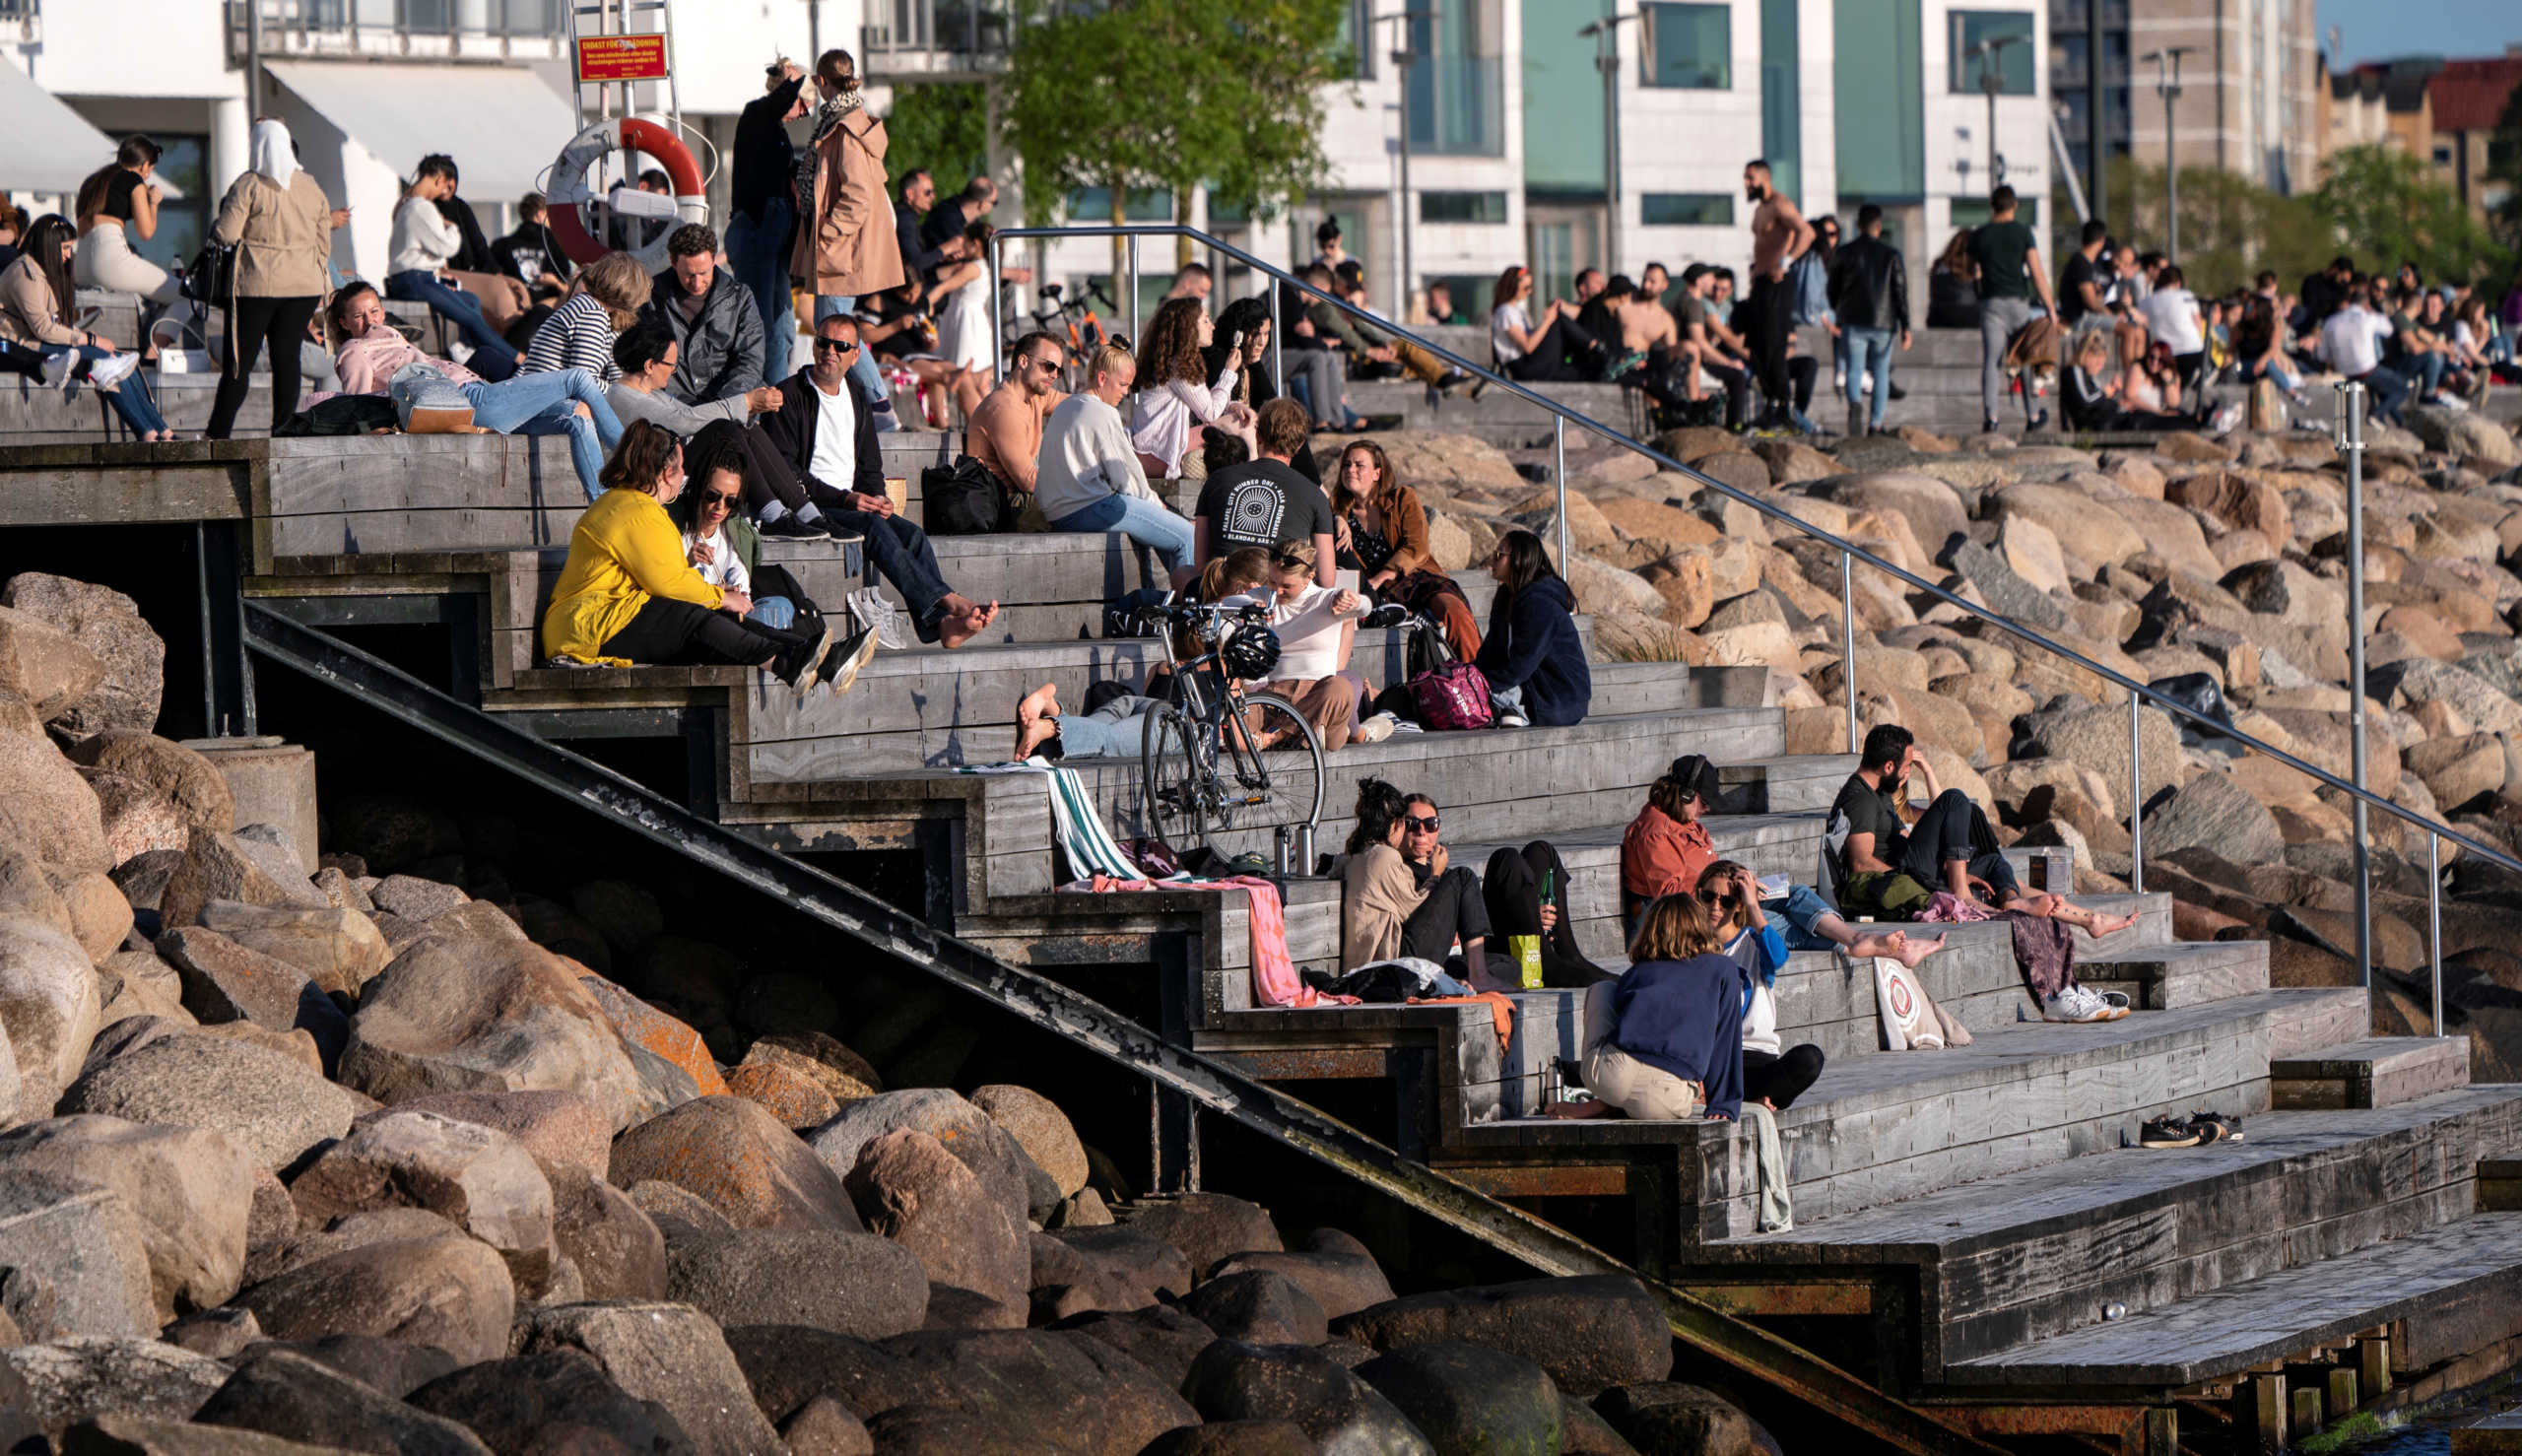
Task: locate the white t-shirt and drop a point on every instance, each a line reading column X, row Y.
column 2171, row 316
column 1505, row 317
column 2351, row 340
column 727, row 570
column 835, row 461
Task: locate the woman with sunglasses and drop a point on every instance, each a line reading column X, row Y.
column 1524, row 890
column 631, row 595
column 1730, row 898
column 1390, row 908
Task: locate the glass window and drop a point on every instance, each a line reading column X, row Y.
column 1687, row 209
column 181, row 226
column 1782, row 97
column 1687, row 46
column 1357, row 38
column 1880, row 118
column 1973, row 29
column 1563, row 110
column 1462, row 206
column 1145, row 205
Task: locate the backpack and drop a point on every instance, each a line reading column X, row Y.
column 1451, row 697
column 211, row 280
column 962, row 500
column 426, row 401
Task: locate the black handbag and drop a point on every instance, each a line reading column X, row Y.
column 211, row 280
column 962, row 500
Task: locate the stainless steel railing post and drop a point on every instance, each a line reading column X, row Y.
column 996, row 321
column 1134, row 292
column 2136, row 794
column 2351, row 443
column 2434, row 920
column 1558, row 444
column 1847, row 642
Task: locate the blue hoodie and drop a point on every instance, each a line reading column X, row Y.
column 1686, row 1018
column 1532, row 645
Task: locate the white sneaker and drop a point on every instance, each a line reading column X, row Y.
column 112, row 369
column 56, row 370
column 1376, row 728
column 879, row 615
column 2076, row 1004
column 1514, row 720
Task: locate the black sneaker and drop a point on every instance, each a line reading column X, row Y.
column 1390, row 613
column 2216, row 1127
column 2168, row 1132
column 801, row 666
column 2039, row 421
column 841, row 665
column 1988, row 426
column 1451, row 380
column 1899, row 393
column 790, row 528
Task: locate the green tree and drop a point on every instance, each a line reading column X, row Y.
column 2386, row 208
column 2505, row 167
column 938, row 128
column 2230, row 226
column 1168, row 94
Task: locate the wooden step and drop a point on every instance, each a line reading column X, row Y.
column 2457, row 1286
column 2160, row 976
column 2371, row 1071
column 2038, row 1252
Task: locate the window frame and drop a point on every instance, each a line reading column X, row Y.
column 1645, row 201
column 1958, row 58
column 1484, row 198
column 1649, row 11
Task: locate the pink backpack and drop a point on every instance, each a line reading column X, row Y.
column 1451, row 698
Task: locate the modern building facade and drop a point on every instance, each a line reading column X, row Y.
column 2441, row 111
column 2250, row 77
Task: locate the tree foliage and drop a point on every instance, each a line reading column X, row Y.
column 1169, row 94
column 2505, row 166
column 939, row 128
column 2387, row 208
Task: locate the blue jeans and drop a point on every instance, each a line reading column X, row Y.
column 491, row 358
column 130, row 399
column 2385, row 390
column 1143, row 521
column 546, row 404
column 1868, row 348
column 2424, row 372
column 1801, row 907
column 2286, row 378
column 756, row 254
column 862, row 369
column 1118, row 727
column 777, row 613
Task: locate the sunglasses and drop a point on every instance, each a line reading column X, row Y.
column 1419, row 825
column 719, row 497
column 837, row 345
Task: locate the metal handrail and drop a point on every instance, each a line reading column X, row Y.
column 1849, row 551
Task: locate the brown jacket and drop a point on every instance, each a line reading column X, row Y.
column 846, row 246
column 1405, row 524
column 282, row 239
column 28, row 312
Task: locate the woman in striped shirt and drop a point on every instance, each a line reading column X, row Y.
column 605, row 300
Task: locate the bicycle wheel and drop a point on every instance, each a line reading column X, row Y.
column 1280, row 786
column 1177, row 781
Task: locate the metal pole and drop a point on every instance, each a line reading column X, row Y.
column 1133, row 293
column 1847, row 641
column 2434, row 919
column 1277, row 354
column 998, row 356
column 2136, row 794
column 1409, row 281
column 1559, row 440
column 2172, row 180
column 253, row 60
column 2096, row 127
column 1611, row 147
column 2351, row 443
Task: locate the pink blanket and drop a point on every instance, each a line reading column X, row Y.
column 1275, row 981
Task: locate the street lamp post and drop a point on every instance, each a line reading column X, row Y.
column 2167, row 86
column 1991, row 82
column 1404, row 56
column 1606, row 33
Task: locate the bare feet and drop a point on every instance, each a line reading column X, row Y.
column 964, row 621
column 1037, row 719
column 1897, row 946
column 2100, row 925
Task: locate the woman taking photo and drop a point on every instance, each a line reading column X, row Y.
column 1664, row 1042
column 116, row 205
column 1317, row 629
column 424, row 247
column 1176, row 403
column 1238, row 362
column 1532, row 656
column 1535, row 352
column 36, row 303
column 1383, row 536
column 631, row 595
column 281, row 226
column 1730, row 896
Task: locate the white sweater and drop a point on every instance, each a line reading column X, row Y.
column 423, row 240
column 1086, row 456
column 1308, row 635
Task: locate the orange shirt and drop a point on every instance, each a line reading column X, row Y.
column 1661, row 855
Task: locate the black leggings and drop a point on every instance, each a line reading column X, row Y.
column 1512, row 891
column 1803, row 369
column 671, row 633
column 1547, row 361
column 280, row 321
column 1953, row 827
column 1453, row 910
column 1780, row 1078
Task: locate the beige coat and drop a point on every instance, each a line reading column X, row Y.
column 28, row 312
column 1379, row 895
column 847, row 247
column 282, row 239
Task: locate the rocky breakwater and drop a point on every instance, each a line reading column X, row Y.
column 300, row 1162
column 2181, row 560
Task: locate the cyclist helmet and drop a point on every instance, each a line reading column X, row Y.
column 1251, row 653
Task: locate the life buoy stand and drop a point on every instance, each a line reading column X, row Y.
column 568, row 186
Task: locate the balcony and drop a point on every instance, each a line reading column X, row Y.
column 486, row 30
column 936, row 39
column 20, row 21
column 1457, row 106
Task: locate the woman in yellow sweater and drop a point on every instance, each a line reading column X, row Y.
column 629, row 594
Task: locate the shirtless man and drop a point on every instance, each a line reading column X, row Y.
column 1780, row 235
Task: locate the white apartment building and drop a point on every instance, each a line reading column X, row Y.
column 368, row 88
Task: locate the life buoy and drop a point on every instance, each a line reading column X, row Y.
column 568, row 187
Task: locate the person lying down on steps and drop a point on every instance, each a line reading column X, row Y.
column 1666, row 850
column 1118, row 725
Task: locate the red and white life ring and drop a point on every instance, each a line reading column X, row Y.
column 568, row 186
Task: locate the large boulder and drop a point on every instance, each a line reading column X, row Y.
column 476, row 1015
column 136, row 818
column 744, row 1162
column 189, row 780
column 668, row 1354
column 78, row 1261
column 908, row 1188
column 1208, row 1228
column 560, row 1129
column 47, row 810
column 189, row 1188
column 1160, row 1337
column 2097, row 738
column 336, row 948
column 223, row 981
column 255, row 865
column 1589, row 1332
column 2483, row 445
column 616, row 1249
column 1669, row 1416
column 1040, row 1128
column 1471, row 1397
column 797, row 1099
column 555, row 1401
column 1259, row 1307
column 445, row 1290
column 856, row 1285
column 1329, row 1265
column 1234, row 1382
column 100, row 918
column 45, row 666
column 2213, row 813
column 49, row 1006
column 134, row 1435
column 1063, row 1390
column 789, row 1366
column 132, row 658
column 1932, row 509
column 477, row 1178
column 84, row 1377
column 644, row 1026
column 994, row 1156
column 273, row 1107
column 281, row 1392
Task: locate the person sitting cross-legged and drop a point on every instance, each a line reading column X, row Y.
column 824, row 429
column 1772, row 1076
column 1664, row 1042
column 629, row 594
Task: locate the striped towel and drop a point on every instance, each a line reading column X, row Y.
column 1075, row 825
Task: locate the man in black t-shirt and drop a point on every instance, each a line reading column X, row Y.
column 1938, row 852
column 2010, row 275
column 2083, row 283
column 1265, row 502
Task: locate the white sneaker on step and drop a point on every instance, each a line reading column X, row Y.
column 2076, row 1004
column 1376, row 727
column 112, row 369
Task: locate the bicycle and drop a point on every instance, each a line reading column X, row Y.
column 1203, row 771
